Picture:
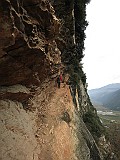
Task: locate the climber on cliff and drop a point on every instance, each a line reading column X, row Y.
column 59, row 80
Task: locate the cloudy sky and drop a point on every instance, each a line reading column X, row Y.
column 102, row 53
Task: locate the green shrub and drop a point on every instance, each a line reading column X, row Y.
column 93, row 124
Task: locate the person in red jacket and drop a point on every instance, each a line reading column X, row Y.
column 61, row 79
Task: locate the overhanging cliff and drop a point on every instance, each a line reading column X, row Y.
column 39, row 121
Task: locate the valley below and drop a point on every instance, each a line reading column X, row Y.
column 111, row 121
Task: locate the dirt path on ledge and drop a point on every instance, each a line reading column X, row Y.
column 54, row 134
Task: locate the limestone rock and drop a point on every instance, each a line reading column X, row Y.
column 27, row 34
column 17, row 129
column 17, row 93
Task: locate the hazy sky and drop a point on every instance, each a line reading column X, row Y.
column 102, row 53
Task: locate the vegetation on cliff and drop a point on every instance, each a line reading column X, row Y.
column 78, row 48
column 94, row 125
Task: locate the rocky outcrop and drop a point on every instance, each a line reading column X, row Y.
column 38, row 40
column 17, row 132
column 28, row 47
column 17, row 93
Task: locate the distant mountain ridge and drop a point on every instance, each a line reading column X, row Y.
column 109, row 96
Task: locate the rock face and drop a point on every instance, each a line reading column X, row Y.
column 17, row 132
column 38, row 121
column 28, row 30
